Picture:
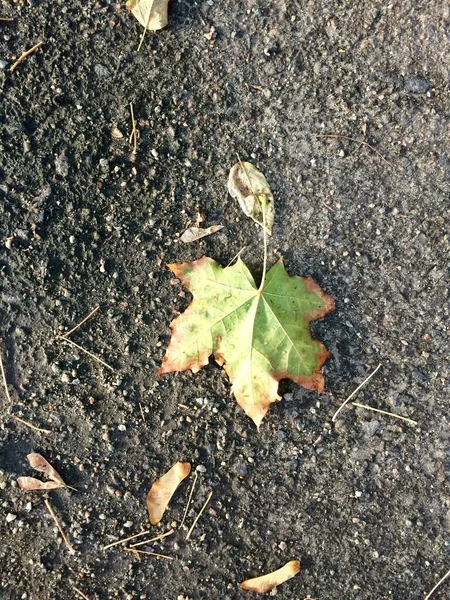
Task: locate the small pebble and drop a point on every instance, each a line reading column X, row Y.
column 3, row 64
column 101, row 70
column 282, row 546
column 10, row 518
column 200, row 468
column 128, row 524
column 65, row 378
column 417, row 85
column 358, row 494
column 121, row 427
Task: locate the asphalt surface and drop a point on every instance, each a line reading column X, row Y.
column 363, row 503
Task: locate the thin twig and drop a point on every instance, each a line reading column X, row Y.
column 64, row 339
column 199, row 515
column 28, row 424
column 384, row 412
column 5, row 383
column 254, row 87
column 132, row 537
column 134, row 133
column 184, row 406
column 154, row 539
column 24, row 56
column 6, row 18
column 150, row 10
column 58, row 525
column 81, row 593
column 338, row 136
column 437, row 585
column 353, row 393
column 237, row 256
column 189, row 500
column 151, row 553
column 92, row 313
column 142, row 412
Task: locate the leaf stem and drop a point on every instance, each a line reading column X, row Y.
column 263, row 200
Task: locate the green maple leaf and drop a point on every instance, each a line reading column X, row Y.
column 259, row 335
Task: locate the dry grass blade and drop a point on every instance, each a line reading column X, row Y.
column 265, row 583
column 149, row 553
column 39, row 463
column 102, row 362
column 134, row 136
column 202, row 510
column 127, row 539
column 91, row 314
column 5, row 383
column 163, row 489
column 6, row 18
column 28, row 424
column 385, row 412
column 58, row 525
column 82, row 594
column 154, row 539
column 23, row 56
column 189, row 500
column 354, row 392
column 440, row 582
column 337, row 136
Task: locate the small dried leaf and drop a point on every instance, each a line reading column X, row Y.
column 116, row 133
column 248, row 186
column 38, row 462
column 163, row 489
column 265, row 583
column 151, row 14
column 31, row 483
column 196, row 233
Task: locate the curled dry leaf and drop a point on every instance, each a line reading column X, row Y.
column 249, row 187
column 265, row 583
column 151, row 14
column 38, row 462
column 163, row 489
column 197, row 233
column 29, row 484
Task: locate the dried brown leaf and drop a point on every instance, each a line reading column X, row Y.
column 151, row 14
column 31, row 483
column 38, row 462
column 250, row 188
column 197, row 233
column 163, row 489
column 265, row 583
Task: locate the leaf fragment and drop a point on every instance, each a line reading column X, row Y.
column 197, row 233
column 39, row 463
column 258, row 336
column 28, row 484
column 163, row 489
column 266, row 583
column 151, row 14
column 247, row 185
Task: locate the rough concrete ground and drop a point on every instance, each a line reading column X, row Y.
column 363, row 503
